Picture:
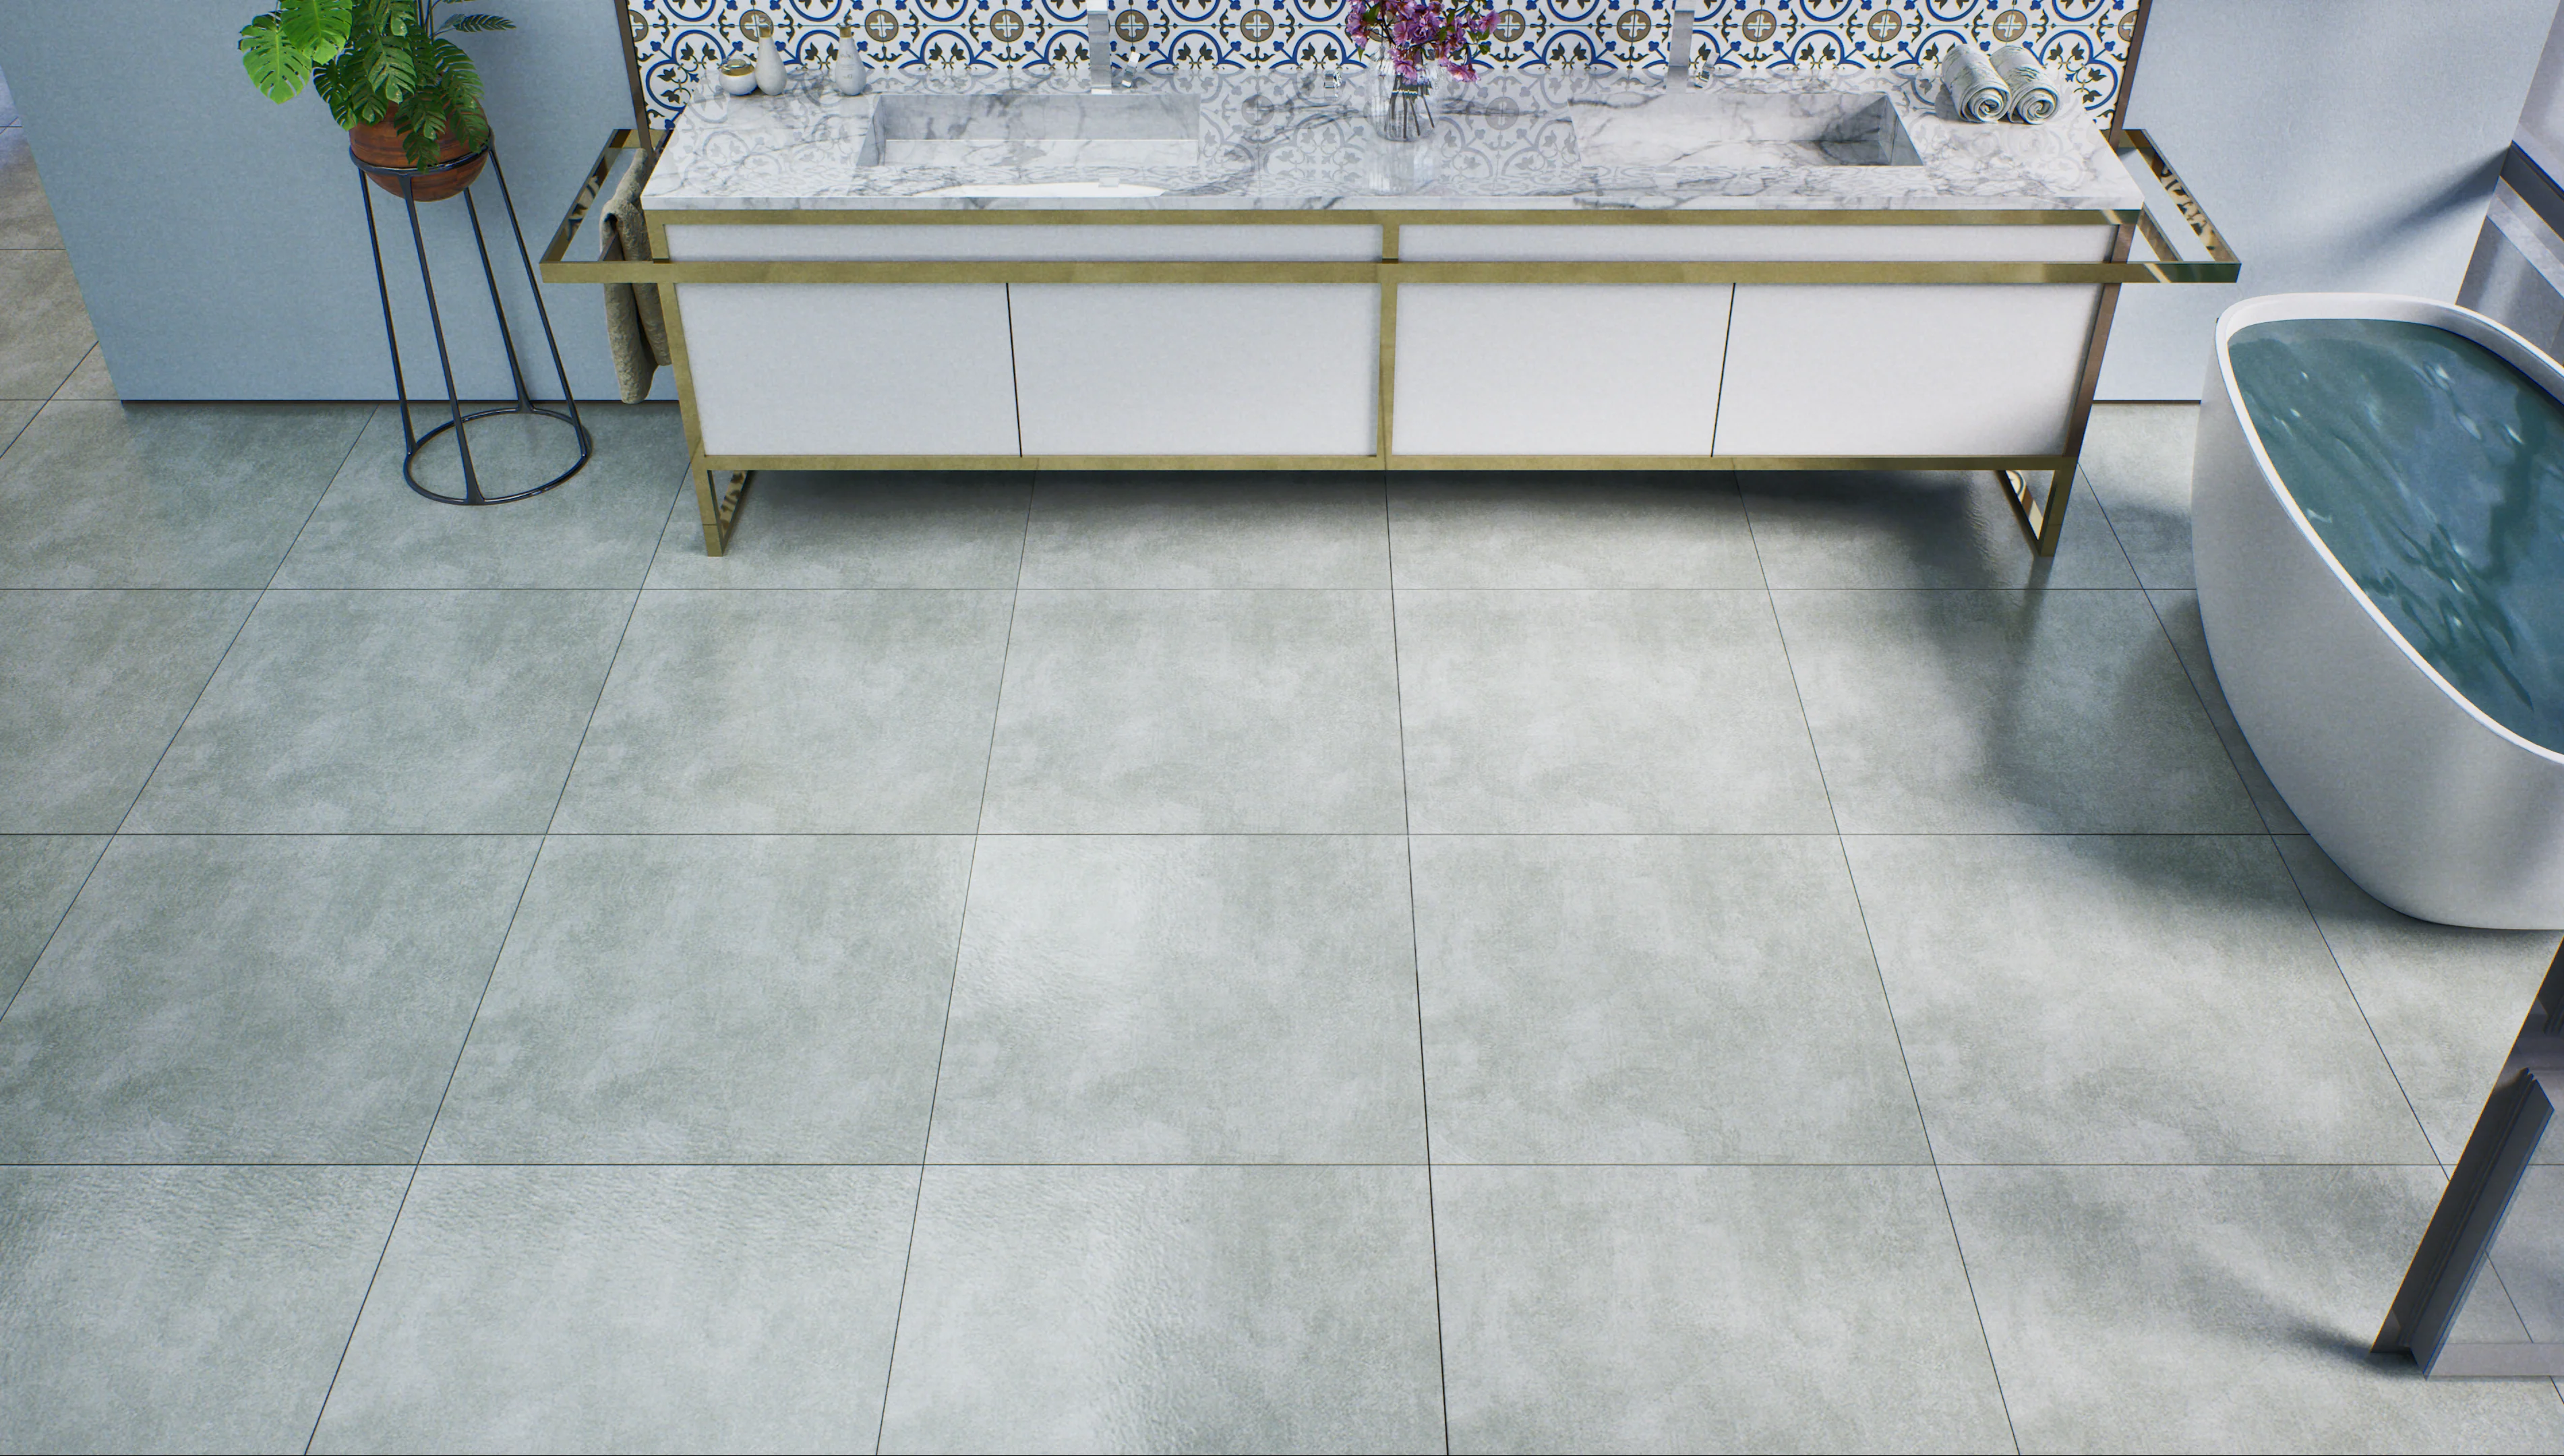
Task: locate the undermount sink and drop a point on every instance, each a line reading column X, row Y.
column 1737, row 128
column 1020, row 130
column 1044, row 189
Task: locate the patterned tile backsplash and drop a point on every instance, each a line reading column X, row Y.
column 2086, row 41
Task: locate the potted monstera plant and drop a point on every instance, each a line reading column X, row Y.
column 391, row 74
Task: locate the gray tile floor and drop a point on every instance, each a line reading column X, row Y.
column 1472, row 963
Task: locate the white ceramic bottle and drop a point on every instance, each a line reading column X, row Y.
column 850, row 75
column 769, row 68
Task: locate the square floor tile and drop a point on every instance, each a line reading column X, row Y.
column 1199, row 712
column 254, row 999
column 1602, row 712
column 598, row 529
column 807, row 712
column 2153, row 998
column 1181, row 1309
column 1553, row 529
column 100, row 494
column 2445, row 1003
column 1918, row 529
column 39, row 875
column 1992, row 712
column 2138, row 457
column 802, row 528
column 92, row 686
column 49, row 331
column 178, row 1307
column 390, row 712
column 2179, row 611
column 717, row 998
column 2218, row 1309
column 1602, row 1000
column 1229, row 998
column 620, row 1309
column 1206, row 529
column 1708, row 1309
column 26, row 219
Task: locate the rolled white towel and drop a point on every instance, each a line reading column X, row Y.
column 1968, row 78
column 2036, row 92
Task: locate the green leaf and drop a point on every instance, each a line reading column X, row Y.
column 316, row 28
column 276, row 66
column 477, row 23
column 391, row 71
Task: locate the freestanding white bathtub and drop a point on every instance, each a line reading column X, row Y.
column 2421, row 796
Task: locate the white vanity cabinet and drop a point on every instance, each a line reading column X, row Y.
column 1276, row 371
column 1222, row 271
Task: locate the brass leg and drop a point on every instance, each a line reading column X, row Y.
column 2045, row 521
column 720, row 508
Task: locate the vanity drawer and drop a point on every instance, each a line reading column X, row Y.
column 1903, row 369
column 1197, row 368
column 828, row 369
column 1559, row 370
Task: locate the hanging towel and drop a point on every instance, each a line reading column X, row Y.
column 636, row 324
column 2036, row 92
column 1976, row 93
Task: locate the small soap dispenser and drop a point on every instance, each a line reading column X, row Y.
column 850, row 75
column 770, row 67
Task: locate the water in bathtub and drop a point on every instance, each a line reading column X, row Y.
column 2434, row 471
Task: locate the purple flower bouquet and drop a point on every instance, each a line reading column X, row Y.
column 1416, row 35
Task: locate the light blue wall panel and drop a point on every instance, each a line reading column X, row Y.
column 218, row 238
column 2342, row 144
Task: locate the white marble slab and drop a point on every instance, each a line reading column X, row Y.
column 1303, row 140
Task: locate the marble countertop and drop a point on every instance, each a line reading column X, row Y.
column 1232, row 140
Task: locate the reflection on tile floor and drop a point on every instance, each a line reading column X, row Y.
column 1256, row 962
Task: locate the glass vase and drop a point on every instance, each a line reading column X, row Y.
column 1406, row 110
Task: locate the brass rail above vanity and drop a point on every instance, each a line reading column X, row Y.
column 2189, row 250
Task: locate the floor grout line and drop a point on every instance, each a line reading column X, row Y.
column 1887, row 1002
column 106, row 843
column 953, row 985
column 1415, row 965
column 498, row 955
column 224, row 655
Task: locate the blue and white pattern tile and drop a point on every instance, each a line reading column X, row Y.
column 2086, row 41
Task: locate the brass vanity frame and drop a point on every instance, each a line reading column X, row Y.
column 2044, row 519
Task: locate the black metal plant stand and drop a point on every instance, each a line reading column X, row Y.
column 407, row 178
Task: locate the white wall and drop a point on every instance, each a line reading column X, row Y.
column 2341, row 144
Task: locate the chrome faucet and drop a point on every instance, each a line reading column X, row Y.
column 1099, row 45
column 1678, row 46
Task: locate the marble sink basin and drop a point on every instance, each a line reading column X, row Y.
column 1745, row 128
column 1103, row 188
column 1018, row 129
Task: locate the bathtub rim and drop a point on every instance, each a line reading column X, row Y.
column 2466, row 324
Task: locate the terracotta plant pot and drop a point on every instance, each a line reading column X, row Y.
column 378, row 144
